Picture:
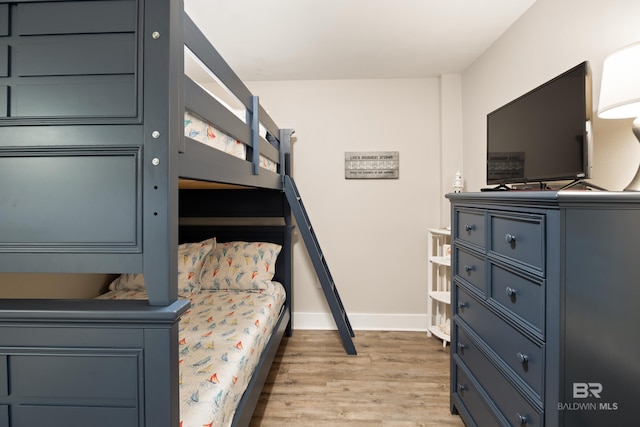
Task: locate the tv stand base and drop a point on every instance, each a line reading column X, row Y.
column 583, row 183
column 501, row 187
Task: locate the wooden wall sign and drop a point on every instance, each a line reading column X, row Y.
column 371, row 164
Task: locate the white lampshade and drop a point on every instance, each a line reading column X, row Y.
column 620, row 89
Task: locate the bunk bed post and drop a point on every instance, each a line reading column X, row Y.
column 285, row 169
column 163, row 130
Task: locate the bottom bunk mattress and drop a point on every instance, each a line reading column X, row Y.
column 222, row 337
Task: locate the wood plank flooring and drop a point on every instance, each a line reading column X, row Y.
column 398, row 379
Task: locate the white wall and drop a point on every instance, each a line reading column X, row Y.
column 451, row 159
column 53, row 286
column 372, row 232
column 551, row 37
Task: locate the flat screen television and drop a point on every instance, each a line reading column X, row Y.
column 544, row 135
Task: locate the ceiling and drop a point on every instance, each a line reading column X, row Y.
column 352, row 39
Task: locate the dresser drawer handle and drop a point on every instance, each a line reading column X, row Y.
column 522, row 358
column 469, row 227
column 461, row 346
column 462, row 304
column 510, row 238
column 510, row 291
column 522, row 419
column 462, row 387
column 469, row 268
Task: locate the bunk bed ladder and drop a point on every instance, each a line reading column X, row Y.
column 320, row 265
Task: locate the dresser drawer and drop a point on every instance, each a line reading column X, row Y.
column 512, row 405
column 471, row 268
column 518, row 295
column 474, row 404
column 523, row 356
column 519, row 239
column 470, row 227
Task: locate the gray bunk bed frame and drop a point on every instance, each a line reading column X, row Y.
column 92, row 149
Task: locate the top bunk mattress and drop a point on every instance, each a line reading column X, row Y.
column 204, row 132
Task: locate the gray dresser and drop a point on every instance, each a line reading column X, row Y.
column 546, row 308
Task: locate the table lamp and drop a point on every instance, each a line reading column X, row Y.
column 620, row 92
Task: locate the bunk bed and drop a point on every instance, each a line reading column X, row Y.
column 98, row 176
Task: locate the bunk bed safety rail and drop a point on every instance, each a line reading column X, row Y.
column 208, row 110
column 205, row 104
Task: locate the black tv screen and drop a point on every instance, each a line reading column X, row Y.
column 544, row 135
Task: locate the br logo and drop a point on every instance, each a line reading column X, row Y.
column 584, row 390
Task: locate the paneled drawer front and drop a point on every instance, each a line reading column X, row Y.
column 519, row 238
column 471, row 268
column 470, row 227
column 105, row 379
column 465, row 347
column 33, row 415
column 513, row 406
column 518, row 295
column 522, row 355
column 472, row 400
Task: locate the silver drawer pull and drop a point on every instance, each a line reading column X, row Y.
column 462, row 387
column 510, row 292
column 522, row 358
column 469, row 227
column 510, row 238
column 522, row 419
column 461, row 346
column 469, row 268
column 462, row 304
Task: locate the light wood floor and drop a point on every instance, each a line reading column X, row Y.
column 397, row 379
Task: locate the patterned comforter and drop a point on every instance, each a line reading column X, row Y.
column 222, row 337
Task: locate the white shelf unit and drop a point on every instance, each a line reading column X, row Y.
column 439, row 286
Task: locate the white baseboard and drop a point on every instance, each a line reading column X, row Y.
column 360, row 321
